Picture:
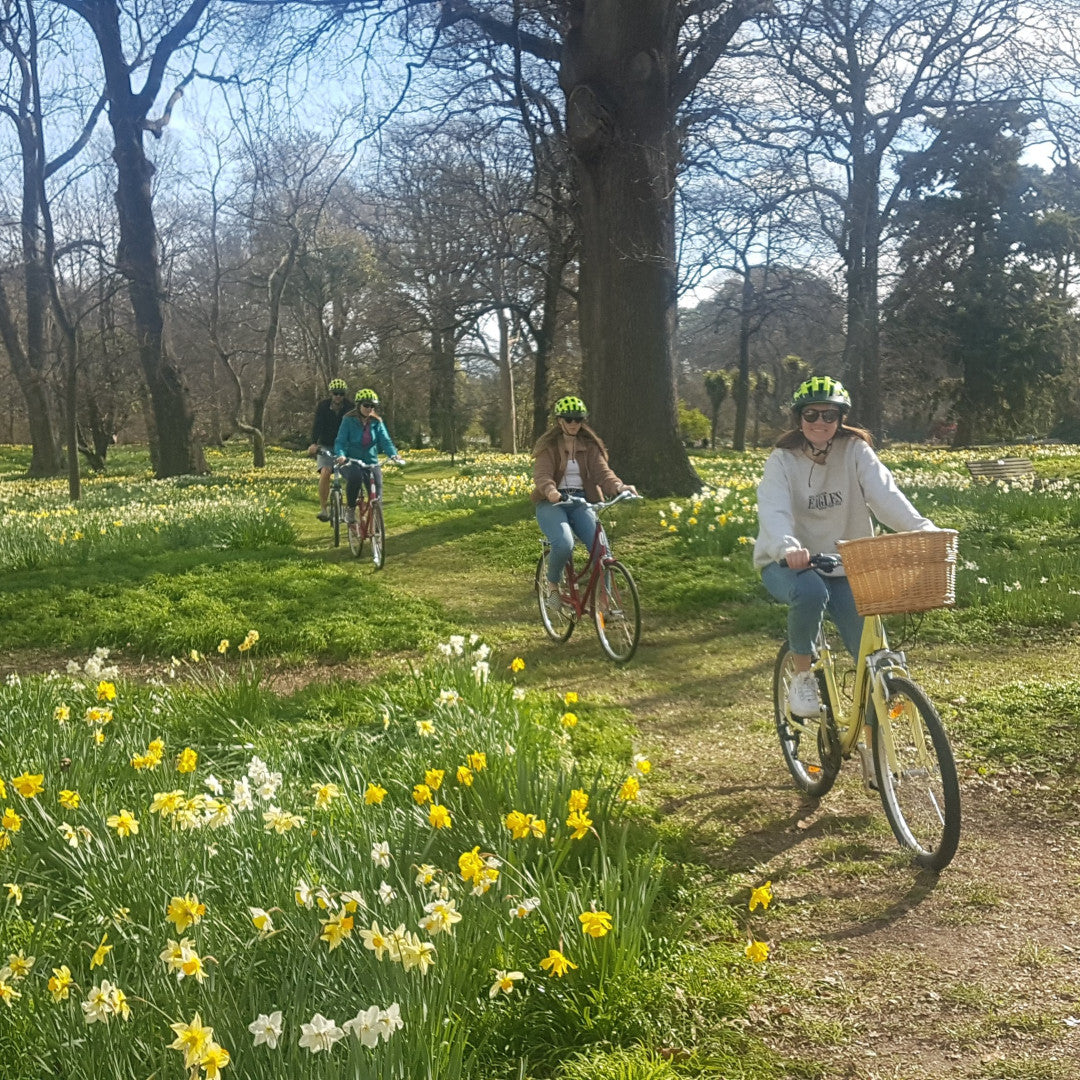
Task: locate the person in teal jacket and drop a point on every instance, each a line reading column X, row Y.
column 362, row 436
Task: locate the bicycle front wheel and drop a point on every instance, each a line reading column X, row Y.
column 559, row 624
column 916, row 775
column 377, row 533
column 356, row 531
column 810, row 745
column 336, row 514
column 617, row 612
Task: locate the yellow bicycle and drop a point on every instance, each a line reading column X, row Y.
column 890, row 724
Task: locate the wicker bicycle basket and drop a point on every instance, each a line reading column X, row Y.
column 901, row 572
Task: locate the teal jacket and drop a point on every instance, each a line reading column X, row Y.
column 350, row 440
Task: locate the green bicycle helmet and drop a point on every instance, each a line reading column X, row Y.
column 571, row 408
column 366, row 396
column 821, row 390
column 339, row 385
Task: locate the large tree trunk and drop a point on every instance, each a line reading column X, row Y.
column 178, row 451
column 862, row 351
column 620, row 121
column 441, row 413
column 507, row 406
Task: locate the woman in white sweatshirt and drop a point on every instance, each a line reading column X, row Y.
column 820, row 485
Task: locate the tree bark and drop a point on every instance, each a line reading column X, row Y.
column 621, row 125
column 508, row 407
column 742, row 379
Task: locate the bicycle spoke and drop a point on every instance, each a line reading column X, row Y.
column 809, row 744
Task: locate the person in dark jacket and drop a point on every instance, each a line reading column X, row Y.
column 328, row 416
column 362, row 437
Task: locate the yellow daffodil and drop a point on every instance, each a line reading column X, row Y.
column 28, row 785
column 517, row 664
column 11, row 820
column 595, row 923
column 98, row 959
column 631, row 788
column 568, row 720
column 470, row 864
column 191, row 1040
column 477, row 761
column 758, row 951
column 324, row 794
column 421, row 794
column 439, row 817
column 184, row 911
column 579, row 800
column 374, row 794
column 124, row 823
column 14, row 892
column 434, row 778
column 8, row 993
column 61, row 714
column 69, row 800
column 186, row 760
column 336, row 929
column 20, row 965
column 580, row 822
column 214, row 1059
column 60, row 983
column 570, row 697
column 504, row 982
column 761, row 895
column 106, row 691
column 223, row 646
column 465, row 775
column 260, row 919
column 555, row 964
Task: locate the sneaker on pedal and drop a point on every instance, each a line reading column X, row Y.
column 350, row 515
column 323, row 515
column 551, row 596
column 803, row 697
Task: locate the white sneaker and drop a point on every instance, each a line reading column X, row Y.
column 350, row 514
column 551, row 596
column 803, row 697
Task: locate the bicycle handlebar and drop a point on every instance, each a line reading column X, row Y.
column 621, row 497
column 822, row 561
column 399, row 460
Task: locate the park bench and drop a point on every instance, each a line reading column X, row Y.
column 1009, row 469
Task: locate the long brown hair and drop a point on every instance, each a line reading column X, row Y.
column 553, row 434
column 794, row 439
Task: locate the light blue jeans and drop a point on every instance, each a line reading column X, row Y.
column 560, row 522
column 808, row 596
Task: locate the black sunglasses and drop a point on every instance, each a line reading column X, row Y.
column 368, row 404
column 337, row 393
column 572, row 418
column 828, row 416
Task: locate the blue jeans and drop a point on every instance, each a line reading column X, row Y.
column 560, row 522
column 356, row 476
column 808, row 596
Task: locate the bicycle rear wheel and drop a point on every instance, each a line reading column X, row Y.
column 918, row 783
column 336, row 514
column 617, row 612
column 378, row 536
column 356, row 529
column 810, row 745
column 559, row 624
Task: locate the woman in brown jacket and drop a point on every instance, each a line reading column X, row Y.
column 569, row 461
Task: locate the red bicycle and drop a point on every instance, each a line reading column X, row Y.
column 602, row 588
column 368, row 523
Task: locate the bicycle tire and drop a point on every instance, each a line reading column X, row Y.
column 811, row 746
column 378, row 536
column 557, row 625
column 922, row 797
column 336, row 514
column 356, row 531
column 617, row 612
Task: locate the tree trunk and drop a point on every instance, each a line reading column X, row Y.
column 620, row 121
column 742, row 379
column 441, row 401
column 507, row 406
column 862, row 353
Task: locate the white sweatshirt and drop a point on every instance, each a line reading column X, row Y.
column 803, row 504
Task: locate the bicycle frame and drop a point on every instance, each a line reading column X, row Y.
column 876, row 661
column 366, row 498
column 600, row 556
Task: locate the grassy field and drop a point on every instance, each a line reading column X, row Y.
column 345, row 668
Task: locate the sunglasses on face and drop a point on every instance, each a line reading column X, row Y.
column 572, row 419
column 367, row 404
column 337, row 393
column 827, row 416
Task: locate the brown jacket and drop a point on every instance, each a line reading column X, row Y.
column 550, row 464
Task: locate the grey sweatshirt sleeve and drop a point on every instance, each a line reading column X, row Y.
column 776, row 522
column 887, row 502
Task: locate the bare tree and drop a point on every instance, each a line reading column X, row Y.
column 156, row 33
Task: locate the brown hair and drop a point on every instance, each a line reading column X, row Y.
column 553, row 434
column 794, row 439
